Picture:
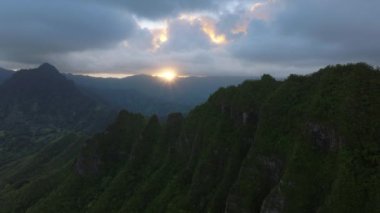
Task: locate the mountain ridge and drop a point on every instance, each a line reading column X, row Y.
column 261, row 146
column 39, row 104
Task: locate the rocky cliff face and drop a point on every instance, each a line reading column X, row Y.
column 307, row 144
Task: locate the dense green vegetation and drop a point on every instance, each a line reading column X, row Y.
column 34, row 100
column 39, row 105
column 305, row 144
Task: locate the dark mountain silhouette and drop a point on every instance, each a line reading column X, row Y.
column 42, row 100
column 305, row 144
column 5, row 74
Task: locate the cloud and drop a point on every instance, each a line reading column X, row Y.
column 155, row 9
column 314, row 33
column 200, row 37
column 188, row 35
column 31, row 30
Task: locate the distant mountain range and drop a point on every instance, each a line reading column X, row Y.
column 141, row 93
column 156, row 96
column 41, row 104
column 147, row 94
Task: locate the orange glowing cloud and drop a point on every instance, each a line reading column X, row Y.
column 160, row 36
column 158, row 30
column 207, row 26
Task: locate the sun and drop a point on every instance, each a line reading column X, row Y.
column 168, row 75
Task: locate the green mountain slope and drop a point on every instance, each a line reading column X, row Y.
column 306, row 144
column 39, row 98
column 38, row 106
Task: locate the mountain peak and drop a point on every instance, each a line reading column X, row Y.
column 35, row 81
column 47, row 67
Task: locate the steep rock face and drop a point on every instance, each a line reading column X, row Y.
column 322, row 128
column 324, row 139
column 307, row 144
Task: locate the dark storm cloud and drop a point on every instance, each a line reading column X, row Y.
column 184, row 36
column 315, row 32
column 351, row 26
column 165, row 8
column 32, row 29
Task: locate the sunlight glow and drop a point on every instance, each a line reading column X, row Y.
column 163, row 37
column 151, row 25
column 107, row 75
column 167, row 74
column 160, row 36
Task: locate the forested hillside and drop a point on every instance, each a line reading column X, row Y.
column 305, row 144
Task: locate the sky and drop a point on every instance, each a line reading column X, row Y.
column 193, row 37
